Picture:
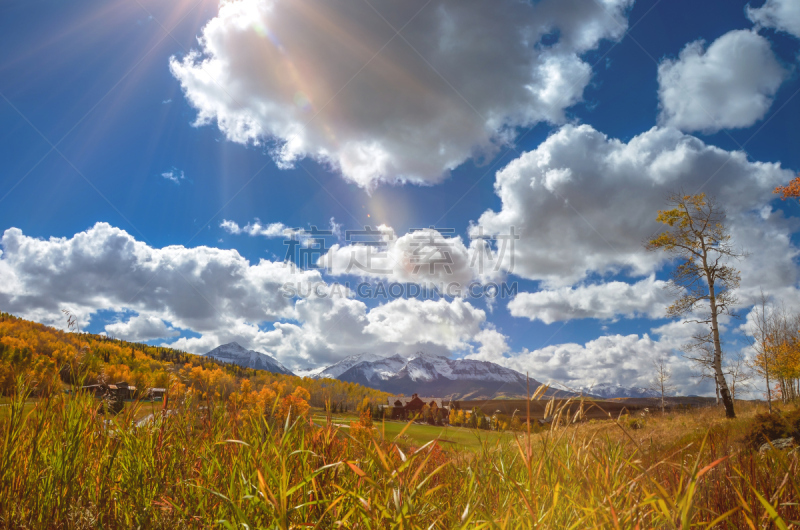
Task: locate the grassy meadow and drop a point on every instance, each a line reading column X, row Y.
column 63, row 465
column 417, row 434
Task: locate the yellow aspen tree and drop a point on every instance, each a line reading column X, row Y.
column 698, row 237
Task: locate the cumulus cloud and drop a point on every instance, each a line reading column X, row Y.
column 493, row 344
column 645, row 298
column 783, row 15
column 333, row 80
column 624, row 360
column 425, row 257
column 676, row 334
column 771, row 265
column 729, row 85
column 141, row 328
column 104, row 267
column 411, row 321
column 584, row 204
column 329, row 329
column 219, row 297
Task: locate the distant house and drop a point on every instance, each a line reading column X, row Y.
column 156, row 394
column 404, row 408
column 122, row 390
column 97, row 390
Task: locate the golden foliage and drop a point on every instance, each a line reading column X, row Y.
column 51, row 359
column 792, row 190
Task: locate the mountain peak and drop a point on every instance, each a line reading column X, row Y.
column 231, row 346
column 235, row 353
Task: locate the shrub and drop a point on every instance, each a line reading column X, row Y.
column 635, row 423
column 767, row 427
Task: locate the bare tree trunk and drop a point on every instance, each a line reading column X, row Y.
column 763, row 323
column 766, row 374
column 716, row 389
column 723, row 385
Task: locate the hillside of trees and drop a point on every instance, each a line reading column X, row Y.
column 48, row 359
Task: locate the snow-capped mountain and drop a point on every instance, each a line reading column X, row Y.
column 335, row 370
column 424, row 373
column 236, row 354
column 432, row 375
column 610, row 390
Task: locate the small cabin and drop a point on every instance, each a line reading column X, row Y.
column 121, row 390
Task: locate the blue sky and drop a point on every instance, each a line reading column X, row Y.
column 99, row 101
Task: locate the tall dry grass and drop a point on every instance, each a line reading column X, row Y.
column 65, row 466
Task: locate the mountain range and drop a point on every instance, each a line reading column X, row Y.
column 432, row 375
column 422, row 373
column 609, row 390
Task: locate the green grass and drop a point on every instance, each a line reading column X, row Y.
column 455, row 437
column 5, row 407
column 419, row 434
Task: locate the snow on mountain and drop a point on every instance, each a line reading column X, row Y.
column 335, row 370
column 423, row 373
column 426, row 367
column 311, row 372
column 431, row 375
column 610, row 390
column 235, row 354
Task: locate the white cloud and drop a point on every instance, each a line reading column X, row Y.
column 329, row 329
column 256, row 229
column 783, row 15
column 617, row 359
column 412, row 321
column 220, row 296
column 645, row 298
column 676, row 334
column 425, row 257
column 584, row 204
column 141, row 328
column 492, row 344
column 174, row 175
column 272, row 230
column 729, row 85
column 324, row 331
column 772, row 261
column 200, row 288
column 331, row 79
